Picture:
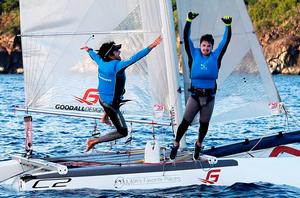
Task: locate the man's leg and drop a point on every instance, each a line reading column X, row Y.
column 205, row 116
column 118, row 121
column 191, row 110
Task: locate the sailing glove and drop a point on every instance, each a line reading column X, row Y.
column 227, row 20
column 191, row 16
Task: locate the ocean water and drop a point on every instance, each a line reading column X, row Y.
column 57, row 135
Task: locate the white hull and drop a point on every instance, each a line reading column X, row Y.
column 126, row 170
column 282, row 171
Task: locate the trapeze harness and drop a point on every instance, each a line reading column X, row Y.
column 203, row 73
column 111, row 87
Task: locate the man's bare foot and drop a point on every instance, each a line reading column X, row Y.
column 90, row 143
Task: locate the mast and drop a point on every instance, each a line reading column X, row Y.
column 172, row 65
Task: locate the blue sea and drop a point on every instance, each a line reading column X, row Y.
column 58, row 135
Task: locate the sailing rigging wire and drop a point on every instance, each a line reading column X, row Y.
column 297, row 122
column 286, row 124
column 91, row 37
column 36, row 90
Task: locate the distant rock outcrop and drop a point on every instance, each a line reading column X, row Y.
column 10, row 54
column 283, row 55
column 15, row 61
column 4, row 59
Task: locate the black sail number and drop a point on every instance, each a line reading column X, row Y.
column 51, row 183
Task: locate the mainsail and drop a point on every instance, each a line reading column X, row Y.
column 60, row 77
column 245, row 86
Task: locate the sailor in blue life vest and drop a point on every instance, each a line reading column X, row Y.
column 112, row 78
column 204, row 66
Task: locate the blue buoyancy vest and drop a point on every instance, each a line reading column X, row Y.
column 111, row 75
column 204, row 69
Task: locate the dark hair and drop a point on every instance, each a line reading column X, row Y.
column 107, row 49
column 208, row 38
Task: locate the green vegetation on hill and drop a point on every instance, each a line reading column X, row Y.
column 9, row 16
column 281, row 16
column 8, row 5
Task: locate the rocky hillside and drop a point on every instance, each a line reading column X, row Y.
column 277, row 23
column 9, row 22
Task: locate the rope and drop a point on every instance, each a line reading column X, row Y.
column 265, row 134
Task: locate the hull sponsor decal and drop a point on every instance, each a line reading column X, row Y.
column 284, row 149
column 51, row 183
column 121, row 182
column 212, row 176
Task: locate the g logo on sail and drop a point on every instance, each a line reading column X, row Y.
column 90, row 97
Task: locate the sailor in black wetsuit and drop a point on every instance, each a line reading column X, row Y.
column 112, row 78
column 204, row 66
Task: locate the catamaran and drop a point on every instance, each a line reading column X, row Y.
column 60, row 79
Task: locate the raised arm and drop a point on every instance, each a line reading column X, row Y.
column 220, row 51
column 188, row 43
column 136, row 57
column 92, row 54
